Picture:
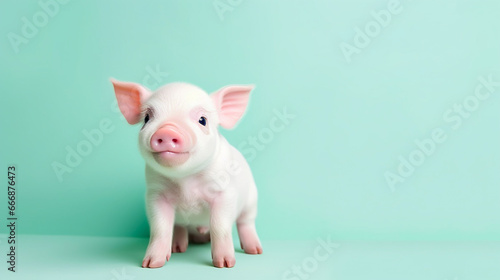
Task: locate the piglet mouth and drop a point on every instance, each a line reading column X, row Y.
column 172, row 153
column 171, row 158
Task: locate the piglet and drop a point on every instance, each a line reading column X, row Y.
column 198, row 185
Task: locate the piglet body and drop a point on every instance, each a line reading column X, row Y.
column 198, row 185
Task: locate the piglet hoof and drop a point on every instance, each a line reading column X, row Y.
column 224, row 261
column 151, row 262
column 223, row 253
column 252, row 249
column 156, row 257
column 180, row 240
column 249, row 240
column 179, row 248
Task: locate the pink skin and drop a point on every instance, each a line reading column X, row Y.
column 202, row 230
column 130, row 96
column 231, row 102
column 180, row 241
column 249, row 240
column 171, row 145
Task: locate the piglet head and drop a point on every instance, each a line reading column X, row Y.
column 179, row 134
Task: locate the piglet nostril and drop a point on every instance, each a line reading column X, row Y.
column 168, row 138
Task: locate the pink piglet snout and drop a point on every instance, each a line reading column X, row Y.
column 172, row 139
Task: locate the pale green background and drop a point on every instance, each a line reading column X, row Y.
column 324, row 173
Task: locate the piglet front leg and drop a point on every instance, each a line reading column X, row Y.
column 161, row 215
column 221, row 220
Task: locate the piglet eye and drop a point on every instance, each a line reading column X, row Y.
column 146, row 118
column 203, row 121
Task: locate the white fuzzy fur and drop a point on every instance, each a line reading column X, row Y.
column 213, row 189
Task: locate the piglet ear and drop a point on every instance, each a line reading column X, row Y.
column 130, row 97
column 231, row 103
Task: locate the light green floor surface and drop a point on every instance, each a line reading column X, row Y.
column 70, row 257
